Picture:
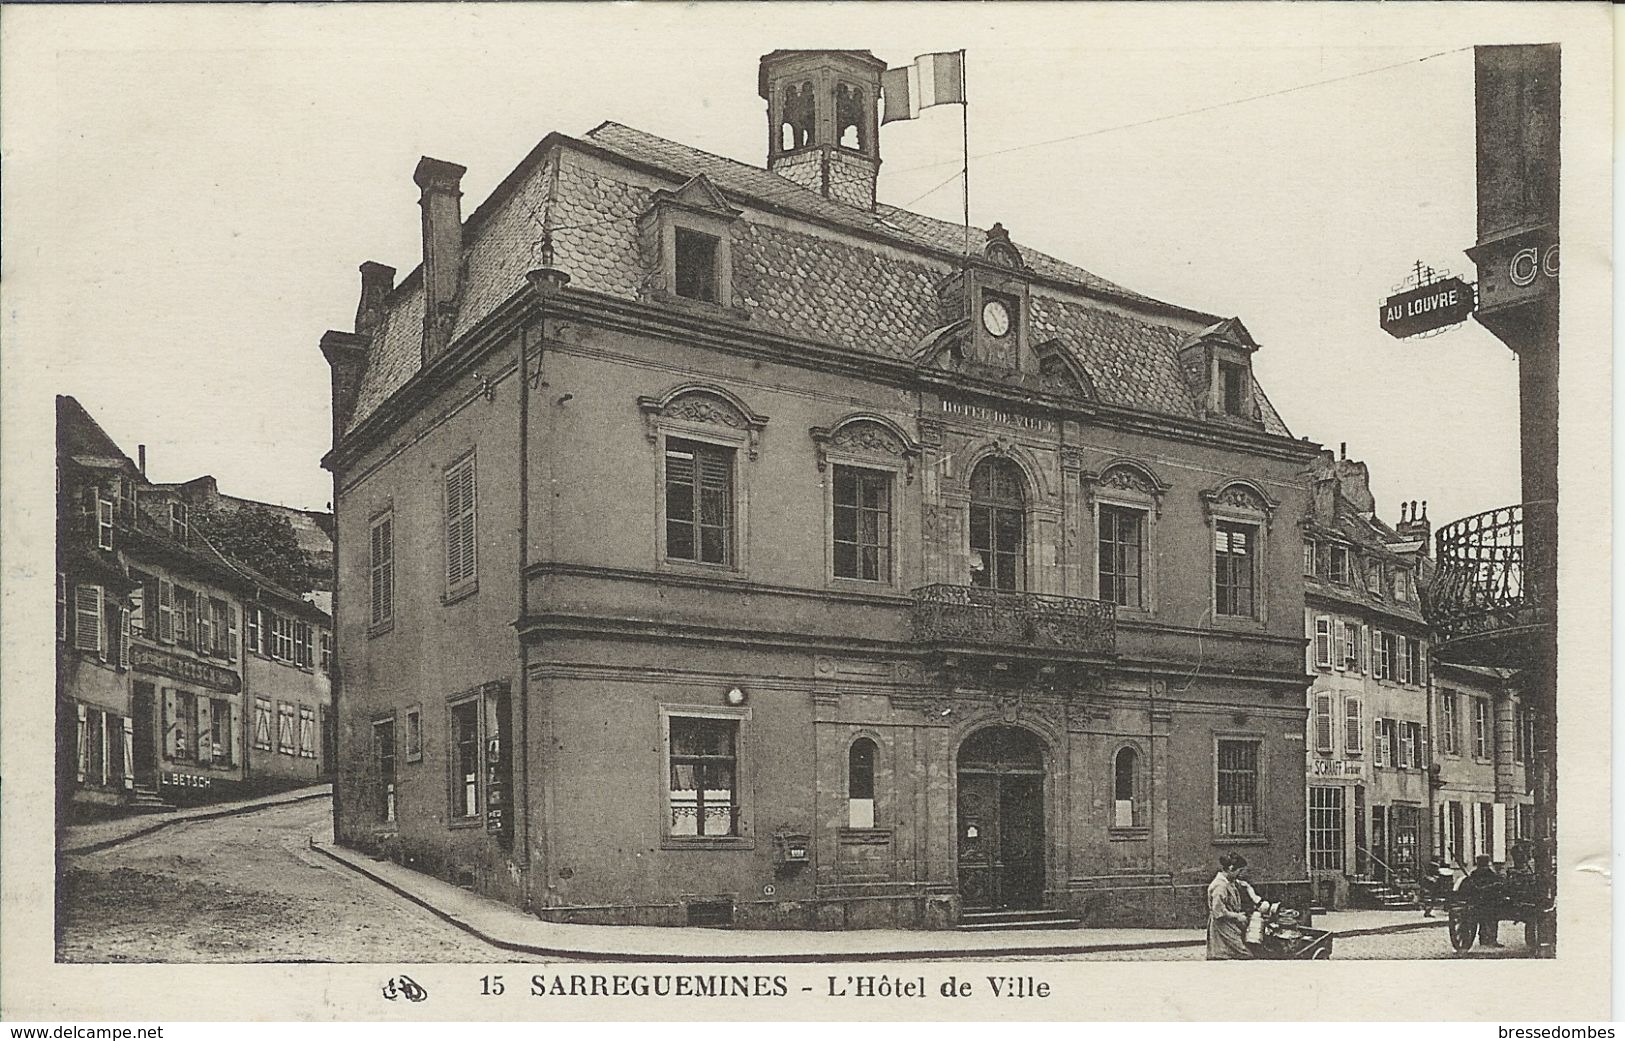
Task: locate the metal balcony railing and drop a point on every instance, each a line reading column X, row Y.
column 1492, row 588
column 971, row 615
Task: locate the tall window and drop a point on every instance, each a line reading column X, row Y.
column 1353, row 726
column 326, row 652
column 1310, row 557
column 1386, row 652
column 1340, row 565
column 1481, row 728
column 1125, row 789
column 183, row 727
column 1351, row 646
column 1325, row 828
column 465, row 780
column 461, row 550
column 87, row 618
column 1234, row 549
column 307, row 732
column 1323, row 641
column 381, row 562
column 1323, row 723
column 1238, row 788
column 414, row 734
column 262, row 724
column 998, row 542
column 1122, row 542
column 1450, row 723
column 699, row 502
column 860, row 784
column 696, row 265
column 178, row 520
column 383, row 755
column 104, row 522
column 1413, row 661
column 287, row 739
column 862, row 523
column 704, row 778
column 220, row 731
column 1526, row 735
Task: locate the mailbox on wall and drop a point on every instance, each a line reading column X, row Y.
column 791, row 849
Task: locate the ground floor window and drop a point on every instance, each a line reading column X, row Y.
column 383, row 755
column 704, row 776
column 262, row 724
column 1237, row 788
column 221, row 732
column 104, row 748
column 1325, row 828
column 307, row 732
column 286, row 741
column 465, row 770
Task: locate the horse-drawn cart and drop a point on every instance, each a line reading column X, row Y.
column 1519, row 897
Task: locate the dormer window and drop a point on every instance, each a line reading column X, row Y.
column 1233, row 384
column 684, row 243
column 177, row 520
column 1340, row 565
column 696, row 276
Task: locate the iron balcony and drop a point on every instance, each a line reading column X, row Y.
column 1491, row 600
column 970, row 618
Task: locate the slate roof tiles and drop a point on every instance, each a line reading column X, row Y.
column 807, row 282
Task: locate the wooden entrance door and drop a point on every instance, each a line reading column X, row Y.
column 144, row 738
column 1404, row 825
column 1001, row 820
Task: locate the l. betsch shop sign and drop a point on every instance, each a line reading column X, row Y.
column 1428, row 307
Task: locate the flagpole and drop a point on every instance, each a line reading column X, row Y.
column 964, row 123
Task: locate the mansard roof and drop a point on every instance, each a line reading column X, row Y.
column 816, row 269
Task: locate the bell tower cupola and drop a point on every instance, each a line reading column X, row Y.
column 823, row 130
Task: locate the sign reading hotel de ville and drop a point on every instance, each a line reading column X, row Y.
column 1428, row 307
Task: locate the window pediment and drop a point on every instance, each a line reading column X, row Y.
column 1127, row 478
column 1239, row 497
column 866, row 435
column 702, row 405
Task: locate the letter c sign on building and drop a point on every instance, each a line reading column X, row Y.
column 1530, row 263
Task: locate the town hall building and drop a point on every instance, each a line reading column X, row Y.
column 717, row 544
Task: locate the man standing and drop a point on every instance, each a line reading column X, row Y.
column 1481, row 891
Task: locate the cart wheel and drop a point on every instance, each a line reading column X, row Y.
column 1462, row 930
column 1321, row 954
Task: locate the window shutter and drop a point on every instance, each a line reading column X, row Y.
column 1423, row 759
column 1338, row 646
column 204, row 750
column 1365, row 649
column 84, row 743
column 129, row 753
column 1323, row 722
column 61, row 606
column 1323, row 641
column 231, row 632
column 460, row 525
column 1353, row 725
column 1379, row 743
column 166, row 610
column 172, row 736
column 123, row 637
column 87, row 618
column 204, row 634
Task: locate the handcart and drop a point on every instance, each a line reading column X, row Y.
column 1285, row 939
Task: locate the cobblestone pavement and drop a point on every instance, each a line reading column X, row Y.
column 244, row 889
column 1415, row 944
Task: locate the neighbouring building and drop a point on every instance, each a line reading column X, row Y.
column 167, row 649
column 313, row 529
column 717, row 544
column 1369, row 798
column 1484, row 800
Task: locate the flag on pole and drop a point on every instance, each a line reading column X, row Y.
column 933, row 79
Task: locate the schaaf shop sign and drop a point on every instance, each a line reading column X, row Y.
column 1428, row 307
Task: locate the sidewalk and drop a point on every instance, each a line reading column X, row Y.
column 98, row 835
column 507, row 927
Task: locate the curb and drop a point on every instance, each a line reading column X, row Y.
column 963, row 954
column 235, row 811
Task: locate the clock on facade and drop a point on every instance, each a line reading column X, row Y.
column 996, row 317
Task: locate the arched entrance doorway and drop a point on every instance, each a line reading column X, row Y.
column 1001, row 820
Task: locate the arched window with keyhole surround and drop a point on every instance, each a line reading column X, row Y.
column 860, row 784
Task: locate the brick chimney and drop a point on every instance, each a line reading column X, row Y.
column 441, row 201
column 376, row 282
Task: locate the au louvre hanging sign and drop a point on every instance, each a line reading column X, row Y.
column 198, row 673
column 1428, row 307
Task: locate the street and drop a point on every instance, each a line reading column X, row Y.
column 244, row 889
column 247, row 888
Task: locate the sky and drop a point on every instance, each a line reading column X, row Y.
column 190, row 190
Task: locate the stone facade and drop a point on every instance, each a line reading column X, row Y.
column 614, row 721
